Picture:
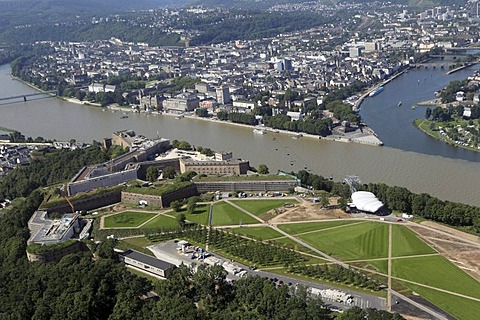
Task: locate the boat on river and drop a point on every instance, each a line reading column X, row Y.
column 259, row 131
column 375, row 92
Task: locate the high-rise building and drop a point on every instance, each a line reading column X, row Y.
column 223, row 95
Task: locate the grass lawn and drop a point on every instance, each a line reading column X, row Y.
column 362, row 241
column 258, row 207
column 436, row 271
column 224, row 215
column 376, row 265
column 261, row 233
column 293, row 245
column 200, row 215
column 140, row 241
column 161, row 221
column 296, row 228
column 127, row 219
column 405, row 242
column 461, row 308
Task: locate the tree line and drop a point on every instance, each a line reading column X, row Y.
column 400, row 198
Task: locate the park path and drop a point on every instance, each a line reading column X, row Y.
column 331, row 228
column 389, row 278
column 419, row 284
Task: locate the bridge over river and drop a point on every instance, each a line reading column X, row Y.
column 25, row 97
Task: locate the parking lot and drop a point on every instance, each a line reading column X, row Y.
column 168, row 251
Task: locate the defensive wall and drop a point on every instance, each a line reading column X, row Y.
column 160, row 201
column 232, row 186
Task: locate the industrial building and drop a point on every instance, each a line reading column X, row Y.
column 147, row 263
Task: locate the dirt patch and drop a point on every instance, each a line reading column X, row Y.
column 462, row 251
column 455, row 232
column 306, row 210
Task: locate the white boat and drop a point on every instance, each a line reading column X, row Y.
column 259, row 131
column 298, row 136
column 375, row 92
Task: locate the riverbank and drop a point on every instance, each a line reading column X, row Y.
column 461, row 67
column 425, row 126
column 365, row 95
column 362, row 136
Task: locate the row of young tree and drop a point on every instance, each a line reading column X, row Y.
column 256, row 252
column 337, row 273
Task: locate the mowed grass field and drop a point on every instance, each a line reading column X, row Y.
column 405, row 243
column 258, row 207
column 355, row 242
column 261, row 233
column 296, row 228
column 127, row 219
column 436, row 271
column 224, row 215
column 460, row 308
column 161, row 221
column 200, row 215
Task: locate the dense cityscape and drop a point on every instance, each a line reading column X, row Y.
column 137, row 226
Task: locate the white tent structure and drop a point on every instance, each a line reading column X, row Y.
column 366, row 201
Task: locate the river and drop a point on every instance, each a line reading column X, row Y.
column 408, row 158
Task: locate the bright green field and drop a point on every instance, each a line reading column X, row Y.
column 200, row 215
column 361, row 241
column 224, row 215
column 127, row 219
column 405, row 242
column 436, row 271
column 161, row 221
column 257, row 207
column 377, row 265
column 461, row 308
column 262, row 233
column 296, row 228
column 293, row 245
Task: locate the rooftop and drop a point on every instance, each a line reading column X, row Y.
column 148, row 260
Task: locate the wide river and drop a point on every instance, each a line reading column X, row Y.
column 409, row 158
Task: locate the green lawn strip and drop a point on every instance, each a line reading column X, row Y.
column 374, row 265
column 459, row 307
column 260, row 233
column 436, row 271
column 200, row 215
column 127, row 219
column 362, row 241
column 258, row 207
column 139, row 241
column 405, row 242
column 284, row 272
column 296, row 228
column 126, row 245
column 224, row 215
column 161, row 221
column 293, row 245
